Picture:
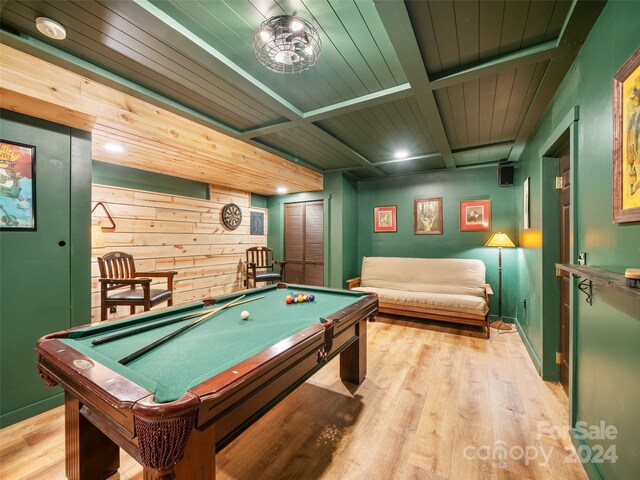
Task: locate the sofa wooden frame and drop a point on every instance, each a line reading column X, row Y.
column 432, row 314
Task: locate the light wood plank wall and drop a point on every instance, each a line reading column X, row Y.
column 170, row 232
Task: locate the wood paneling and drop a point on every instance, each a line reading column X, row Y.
column 168, row 232
column 154, row 139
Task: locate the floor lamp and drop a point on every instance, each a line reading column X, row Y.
column 500, row 240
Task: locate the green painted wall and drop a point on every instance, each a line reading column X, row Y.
column 350, row 212
column 118, row 176
column 44, row 284
column 606, row 351
column 259, row 201
column 453, row 187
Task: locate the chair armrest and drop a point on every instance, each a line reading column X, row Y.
column 125, row 281
column 488, row 291
column 353, row 282
column 168, row 275
column 280, row 262
column 156, row 274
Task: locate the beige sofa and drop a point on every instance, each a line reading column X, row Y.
column 449, row 289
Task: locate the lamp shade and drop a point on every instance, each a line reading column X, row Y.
column 499, row 240
column 97, row 238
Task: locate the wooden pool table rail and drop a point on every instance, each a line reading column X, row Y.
column 105, row 410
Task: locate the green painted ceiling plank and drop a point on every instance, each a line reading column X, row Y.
column 175, row 25
column 365, row 41
column 489, row 146
column 580, row 19
column 74, row 64
column 443, row 24
column 347, row 151
column 526, row 56
column 396, row 21
column 334, row 34
column 243, row 19
column 424, row 143
column 359, row 103
column 553, row 76
column 370, row 15
column 334, row 84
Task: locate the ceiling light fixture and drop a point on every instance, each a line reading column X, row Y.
column 287, row 44
column 113, row 147
column 51, row 28
column 401, row 154
column 281, row 190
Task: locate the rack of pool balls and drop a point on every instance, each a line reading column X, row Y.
column 299, row 298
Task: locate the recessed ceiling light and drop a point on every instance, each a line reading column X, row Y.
column 281, row 190
column 114, row 147
column 51, row 28
column 401, row 154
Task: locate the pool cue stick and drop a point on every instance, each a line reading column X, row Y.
column 144, row 328
column 151, row 346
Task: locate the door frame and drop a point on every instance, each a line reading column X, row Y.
column 311, row 197
column 550, row 251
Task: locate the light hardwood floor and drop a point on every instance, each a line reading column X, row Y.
column 437, row 404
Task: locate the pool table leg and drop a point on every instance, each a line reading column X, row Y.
column 199, row 461
column 90, row 454
column 353, row 359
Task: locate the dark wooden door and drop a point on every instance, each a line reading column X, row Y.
column 304, row 242
column 565, row 257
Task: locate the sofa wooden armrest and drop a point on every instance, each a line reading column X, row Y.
column 353, row 282
column 488, row 292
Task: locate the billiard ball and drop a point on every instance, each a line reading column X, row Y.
column 300, row 299
column 312, row 297
column 289, row 299
column 244, row 315
column 305, row 297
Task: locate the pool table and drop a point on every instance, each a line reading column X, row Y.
column 173, row 407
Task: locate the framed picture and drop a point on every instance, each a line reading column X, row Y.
column 256, row 224
column 384, row 219
column 626, row 141
column 427, row 216
column 17, row 186
column 525, row 203
column 475, row 215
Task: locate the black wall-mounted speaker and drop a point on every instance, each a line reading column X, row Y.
column 506, row 175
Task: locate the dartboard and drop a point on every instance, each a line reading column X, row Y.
column 231, row 216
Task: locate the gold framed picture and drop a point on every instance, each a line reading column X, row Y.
column 626, row 141
column 427, row 216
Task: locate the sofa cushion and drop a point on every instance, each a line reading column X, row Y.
column 436, row 301
column 435, row 275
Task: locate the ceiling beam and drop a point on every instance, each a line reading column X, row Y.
column 359, row 103
column 535, row 54
column 577, row 25
column 395, row 19
column 348, row 106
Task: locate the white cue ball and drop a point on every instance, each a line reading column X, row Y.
column 244, row 315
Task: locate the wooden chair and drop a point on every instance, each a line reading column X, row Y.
column 261, row 266
column 118, row 271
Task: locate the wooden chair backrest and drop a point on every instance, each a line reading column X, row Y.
column 261, row 256
column 116, row 265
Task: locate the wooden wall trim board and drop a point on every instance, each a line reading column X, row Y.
column 154, row 139
column 170, row 232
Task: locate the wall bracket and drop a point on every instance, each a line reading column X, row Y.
column 585, row 287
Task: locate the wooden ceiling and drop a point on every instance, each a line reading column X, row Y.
column 453, row 83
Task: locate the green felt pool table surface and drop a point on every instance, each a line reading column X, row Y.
column 212, row 346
